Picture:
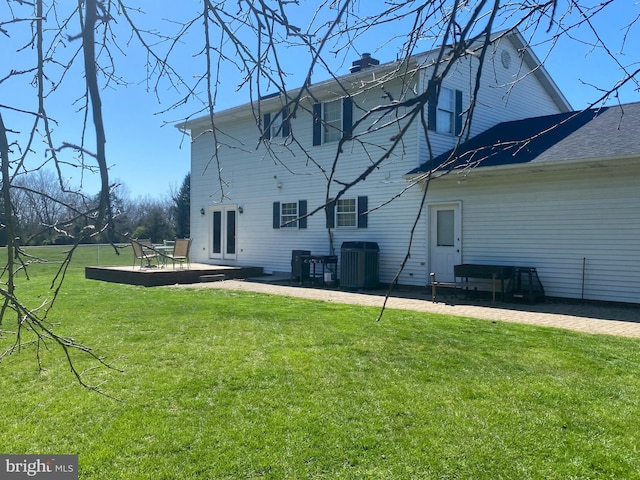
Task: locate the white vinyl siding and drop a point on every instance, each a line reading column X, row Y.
column 506, row 94
column 566, row 224
column 291, row 178
column 551, row 221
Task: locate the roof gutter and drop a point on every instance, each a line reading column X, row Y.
column 362, row 79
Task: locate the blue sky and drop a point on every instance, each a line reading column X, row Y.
column 150, row 156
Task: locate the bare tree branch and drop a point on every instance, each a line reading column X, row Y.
column 246, row 48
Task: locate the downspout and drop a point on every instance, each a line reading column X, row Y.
column 584, row 266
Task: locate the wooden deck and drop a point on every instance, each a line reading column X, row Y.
column 153, row 277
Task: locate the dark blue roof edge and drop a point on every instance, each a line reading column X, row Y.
column 513, row 142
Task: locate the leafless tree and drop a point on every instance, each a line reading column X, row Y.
column 40, row 207
column 191, row 59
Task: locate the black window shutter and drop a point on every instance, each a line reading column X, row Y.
column 276, row 214
column 347, row 118
column 432, row 107
column 286, row 127
column 458, row 117
column 363, row 206
column 266, row 125
column 317, row 123
column 330, row 210
column 302, row 213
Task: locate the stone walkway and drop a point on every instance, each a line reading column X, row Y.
column 587, row 317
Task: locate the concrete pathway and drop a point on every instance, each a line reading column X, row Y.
column 587, row 317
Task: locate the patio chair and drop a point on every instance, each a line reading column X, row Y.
column 181, row 252
column 141, row 253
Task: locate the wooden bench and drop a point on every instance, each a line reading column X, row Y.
column 460, row 285
column 486, row 274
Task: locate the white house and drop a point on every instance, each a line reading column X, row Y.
column 265, row 183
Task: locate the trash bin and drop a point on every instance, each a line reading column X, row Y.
column 299, row 268
column 359, row 265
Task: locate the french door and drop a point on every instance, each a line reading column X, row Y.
column 223, row 228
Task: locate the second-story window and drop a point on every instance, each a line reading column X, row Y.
column 276, row 125
column 332, row 121
column 445, row 111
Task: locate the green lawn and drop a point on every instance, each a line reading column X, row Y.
column 229, row 385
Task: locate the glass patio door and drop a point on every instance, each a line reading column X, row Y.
column 223, row 232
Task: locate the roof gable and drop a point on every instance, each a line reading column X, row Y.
column 378, row 74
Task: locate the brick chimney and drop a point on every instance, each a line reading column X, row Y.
column 366, row 61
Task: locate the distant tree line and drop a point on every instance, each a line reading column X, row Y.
column 46, row 214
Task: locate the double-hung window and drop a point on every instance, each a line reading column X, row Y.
column 290, row 215
column 332, row 121
column 276, row 125
column 346, row 213
column 445, row 111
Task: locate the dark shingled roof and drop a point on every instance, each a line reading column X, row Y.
column 601, row 133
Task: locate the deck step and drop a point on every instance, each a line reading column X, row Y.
column 212, row 278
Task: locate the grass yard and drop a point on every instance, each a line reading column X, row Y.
column 229, row 385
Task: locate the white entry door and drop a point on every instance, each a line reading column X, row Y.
column 445, row 231
column 223, row 228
